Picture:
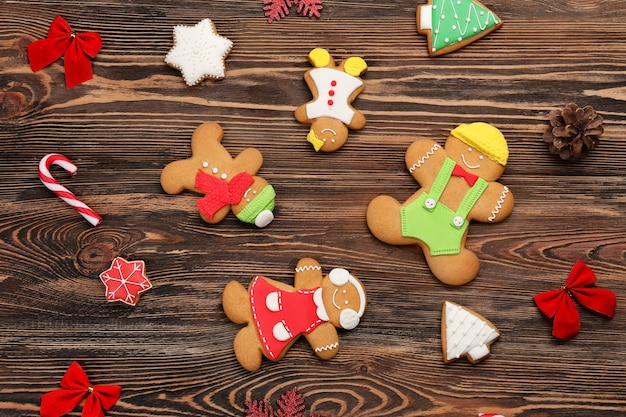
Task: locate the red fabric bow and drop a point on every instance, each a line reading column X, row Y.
column 458, row 171
column 75, row 386
column 558, row 304
column 77, row 47
column 220, row 193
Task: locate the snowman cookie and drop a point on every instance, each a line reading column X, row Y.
column 334, row 88
column 458, row 185
column 276, row 314
column 227, row 183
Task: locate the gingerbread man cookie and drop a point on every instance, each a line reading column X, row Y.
column 276, row 314
column 228, row 183
column 334, row 88
column 458, row 185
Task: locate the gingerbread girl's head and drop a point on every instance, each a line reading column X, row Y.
column 479, row 148
column 334, row 88
column 343, row 298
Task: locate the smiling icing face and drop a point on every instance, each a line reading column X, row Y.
column 344, row 298
column 478, row 148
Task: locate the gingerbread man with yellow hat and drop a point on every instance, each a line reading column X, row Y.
column 458, row 185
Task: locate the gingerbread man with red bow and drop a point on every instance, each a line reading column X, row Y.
column 227, row 183
column 458, row 185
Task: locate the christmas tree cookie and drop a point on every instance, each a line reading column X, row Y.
column 452, row 24
column 465, row 333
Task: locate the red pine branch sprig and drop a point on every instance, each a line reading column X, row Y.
column 277, row 9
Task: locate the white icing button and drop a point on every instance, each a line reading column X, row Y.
column 224, row 176
column 264, row 218
column 430, row 203
column 215, row 170
column 458, row 221
column 205, row 164
column 459, row 39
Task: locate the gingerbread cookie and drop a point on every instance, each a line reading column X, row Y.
column 276, row 314
column 452, row 24
column 458, row 185
column 465, row 333
column 228, row 183
column 334, row 88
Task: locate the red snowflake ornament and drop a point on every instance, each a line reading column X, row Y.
column 125, row 280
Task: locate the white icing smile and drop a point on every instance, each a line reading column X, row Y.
column 328, row 129
column 334, row 299
column 469, row 165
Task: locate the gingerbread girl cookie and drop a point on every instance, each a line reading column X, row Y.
column 228, row 183
column 458, row 185
column 276, row 314
column 334, row 88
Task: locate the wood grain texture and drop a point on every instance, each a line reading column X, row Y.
column 172, row 354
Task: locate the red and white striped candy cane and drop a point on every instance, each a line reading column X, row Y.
column 65, row 194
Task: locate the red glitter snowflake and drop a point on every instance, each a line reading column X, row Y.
column 277, row 9
column 125, row 280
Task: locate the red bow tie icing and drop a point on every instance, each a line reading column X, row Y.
column 77, row 48
column 458, row 171
column 558, row 304
column 219, row 193
column 74, row 387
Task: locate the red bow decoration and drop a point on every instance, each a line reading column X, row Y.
column 220, row 193
column 77, row 48
column 558, row 304
column 75, row 386
column 458, row 171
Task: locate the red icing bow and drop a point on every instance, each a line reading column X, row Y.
column 558, row 304
column 77, row 48
column 75, row 386
column 458, row 171
column 220, row 193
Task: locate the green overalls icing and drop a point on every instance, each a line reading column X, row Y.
column 433, row 223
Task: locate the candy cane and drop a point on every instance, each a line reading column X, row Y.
column 65, row 194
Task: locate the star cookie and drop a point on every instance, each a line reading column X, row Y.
column 125, row 280
column 199, row 52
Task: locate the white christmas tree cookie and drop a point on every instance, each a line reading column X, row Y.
column 452, row 24
column 199, row 52
column 465, row 333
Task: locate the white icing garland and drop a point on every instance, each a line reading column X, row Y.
column 327, row 347
column 306, row 268
column 496, row 210
column 419, row 163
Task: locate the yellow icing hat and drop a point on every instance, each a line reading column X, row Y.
column 484, row 138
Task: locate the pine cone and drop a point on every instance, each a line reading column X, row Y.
column 573, row 131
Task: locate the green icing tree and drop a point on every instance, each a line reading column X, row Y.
column 455, row 21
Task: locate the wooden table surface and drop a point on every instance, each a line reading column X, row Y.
column 172, row 353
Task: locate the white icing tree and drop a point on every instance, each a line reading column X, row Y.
column 465, row 333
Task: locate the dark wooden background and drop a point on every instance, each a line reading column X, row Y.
column 172, row 353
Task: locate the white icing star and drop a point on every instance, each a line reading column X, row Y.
column 199, row 52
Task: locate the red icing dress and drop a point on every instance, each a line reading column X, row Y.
column 280, row 316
